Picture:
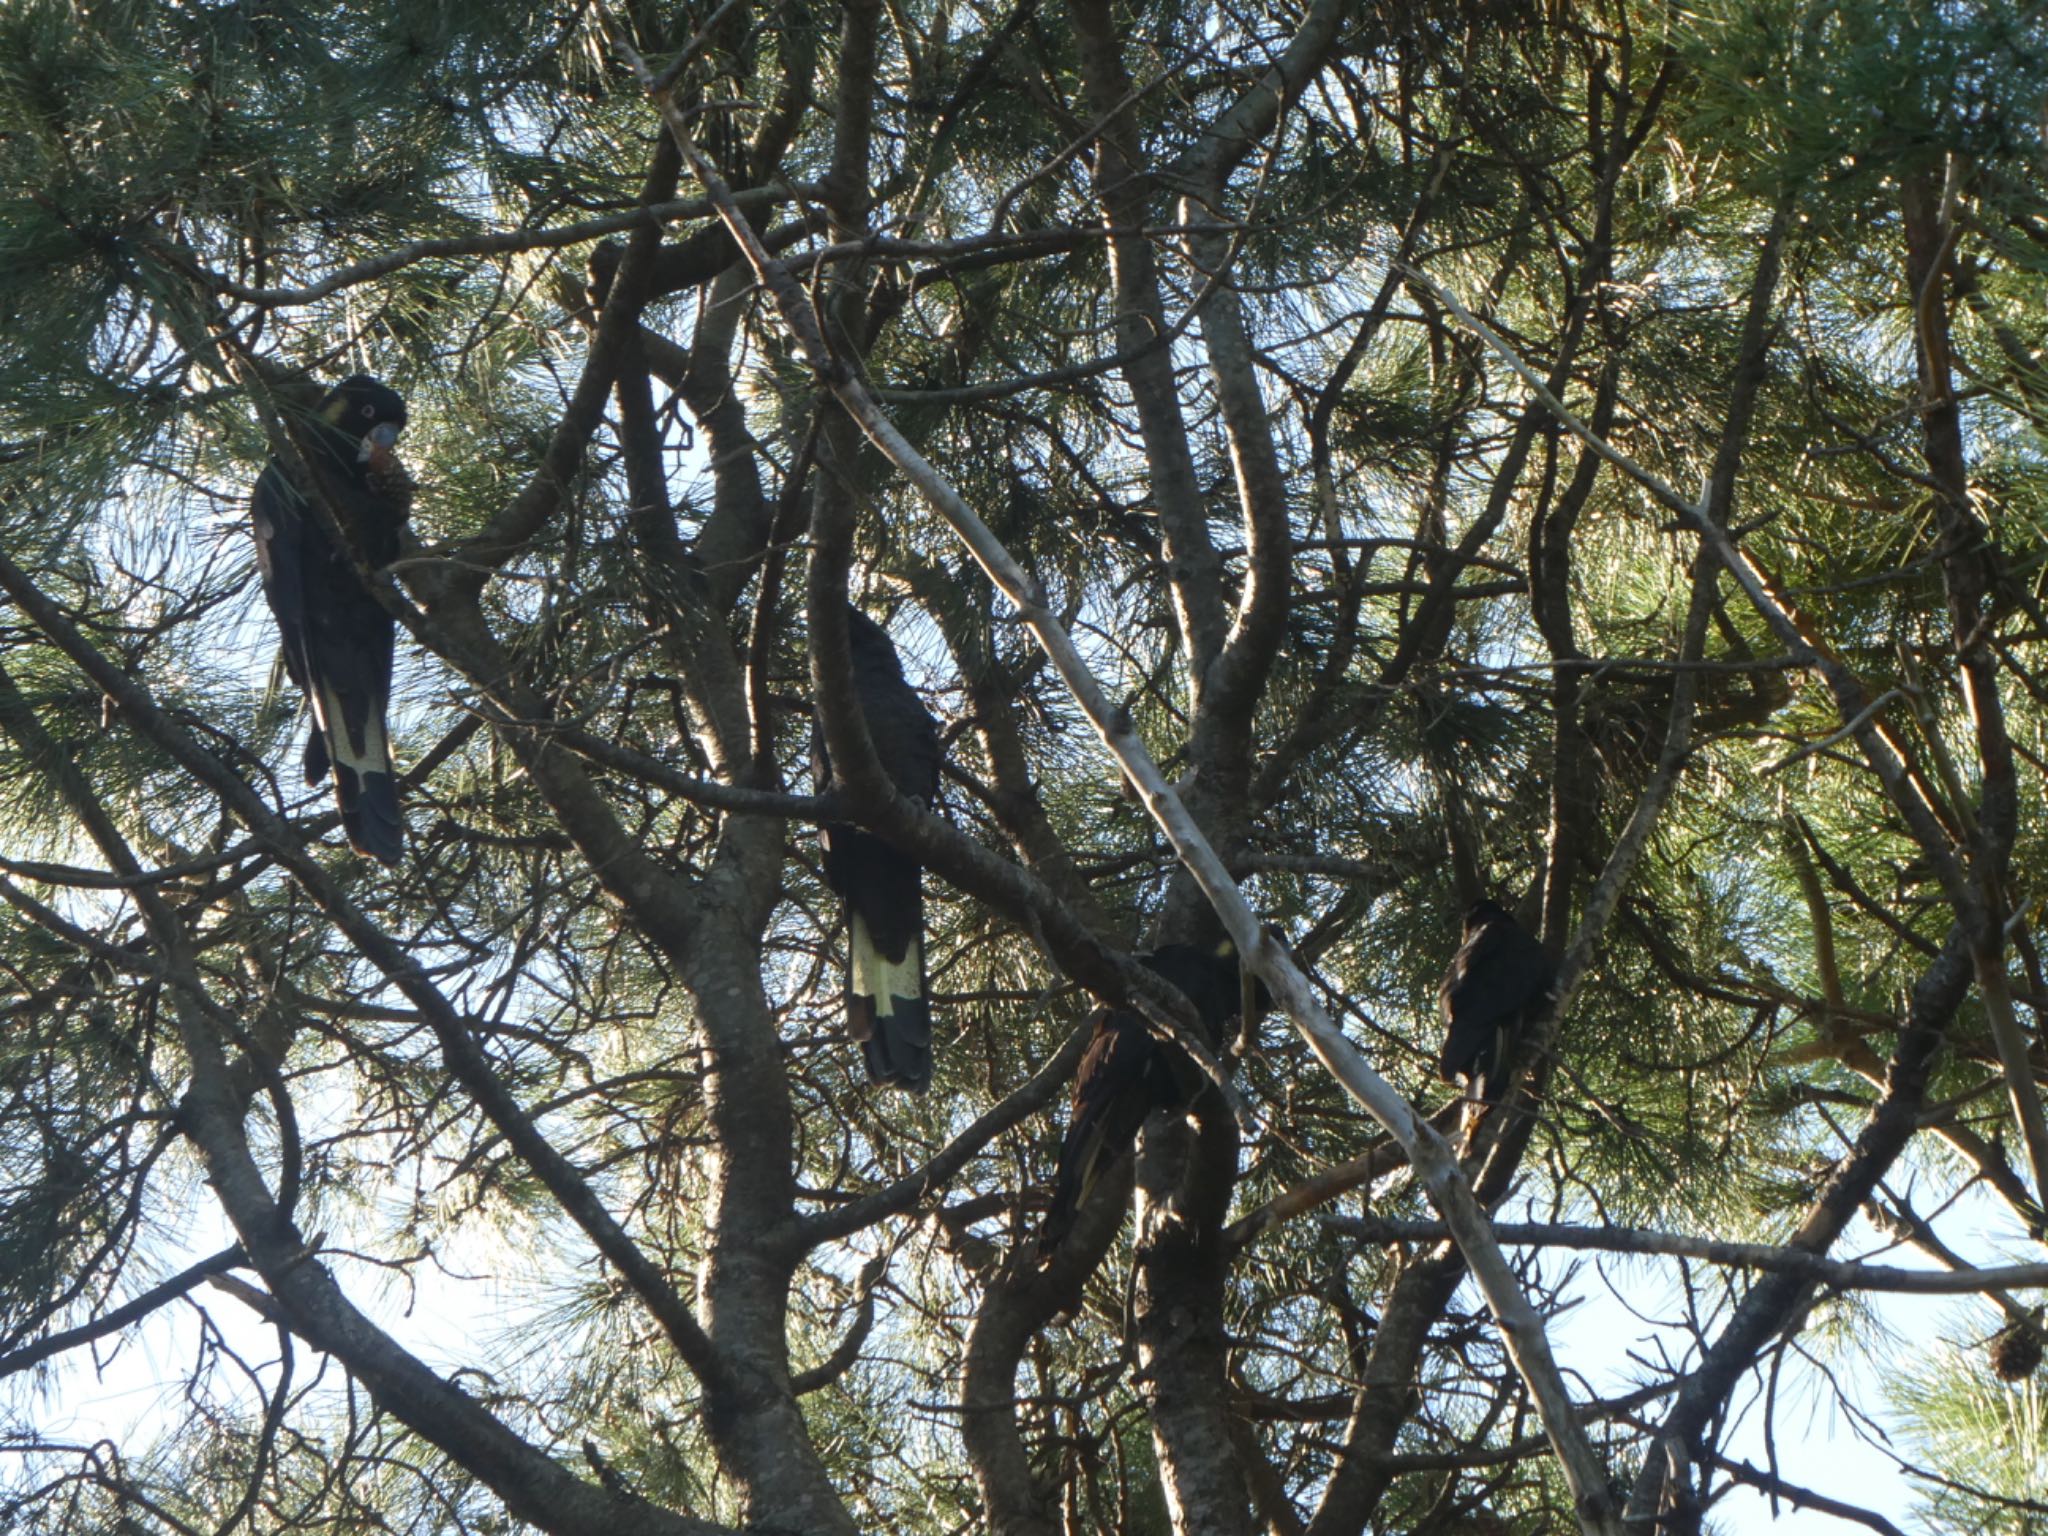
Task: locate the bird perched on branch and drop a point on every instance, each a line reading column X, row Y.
column 338, row 640
column 1498, row 977
column 1127, row 1072
column 887, row 1010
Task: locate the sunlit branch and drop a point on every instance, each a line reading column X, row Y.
column 497, row 243
column 1842, row 1274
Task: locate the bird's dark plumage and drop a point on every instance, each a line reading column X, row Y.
column 886, row 1007
column 1128, row 1072
column 337, row 640
column 1496, row 979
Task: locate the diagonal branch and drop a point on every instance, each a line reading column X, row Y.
column 120, row 1317
column 955, row 1155
column 1771, row 1258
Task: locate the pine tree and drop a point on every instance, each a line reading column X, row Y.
column 1588, row 457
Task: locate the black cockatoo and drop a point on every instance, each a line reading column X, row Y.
column 886, row 1007
column 1498, row 977
column 1127, row 1072
column 337, row 639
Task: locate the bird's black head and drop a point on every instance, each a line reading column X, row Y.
column 1251, row 990
column 869, row 645
column 365, row 411
column 1208, row 977
column 1484, row 913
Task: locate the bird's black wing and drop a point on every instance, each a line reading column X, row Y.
column 277, row 517
column 905, row 735
column 1120, row 1080
column 1128, row 1072
column 886, row 1006
column 338, row 641
column 1497, row 975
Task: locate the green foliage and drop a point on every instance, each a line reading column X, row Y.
column 1987, row 1435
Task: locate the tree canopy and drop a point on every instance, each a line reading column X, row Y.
column 1322, row 465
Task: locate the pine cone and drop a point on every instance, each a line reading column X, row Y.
column 2016, row 1352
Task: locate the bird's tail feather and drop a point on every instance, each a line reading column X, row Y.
column 365, row 784
column 374, row 825
column 1500, row 1062
column 886, row 1008
column 1070, row 1191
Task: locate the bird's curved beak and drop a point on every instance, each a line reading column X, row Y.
column 378, row 441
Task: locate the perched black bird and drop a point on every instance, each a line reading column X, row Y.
column 1128, row 1072
column 337, row 640
column 886, row 1007
column 1497, row 979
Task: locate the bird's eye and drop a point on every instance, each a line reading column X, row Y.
column 369, row 411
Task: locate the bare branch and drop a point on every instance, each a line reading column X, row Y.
column 1841, row 1274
